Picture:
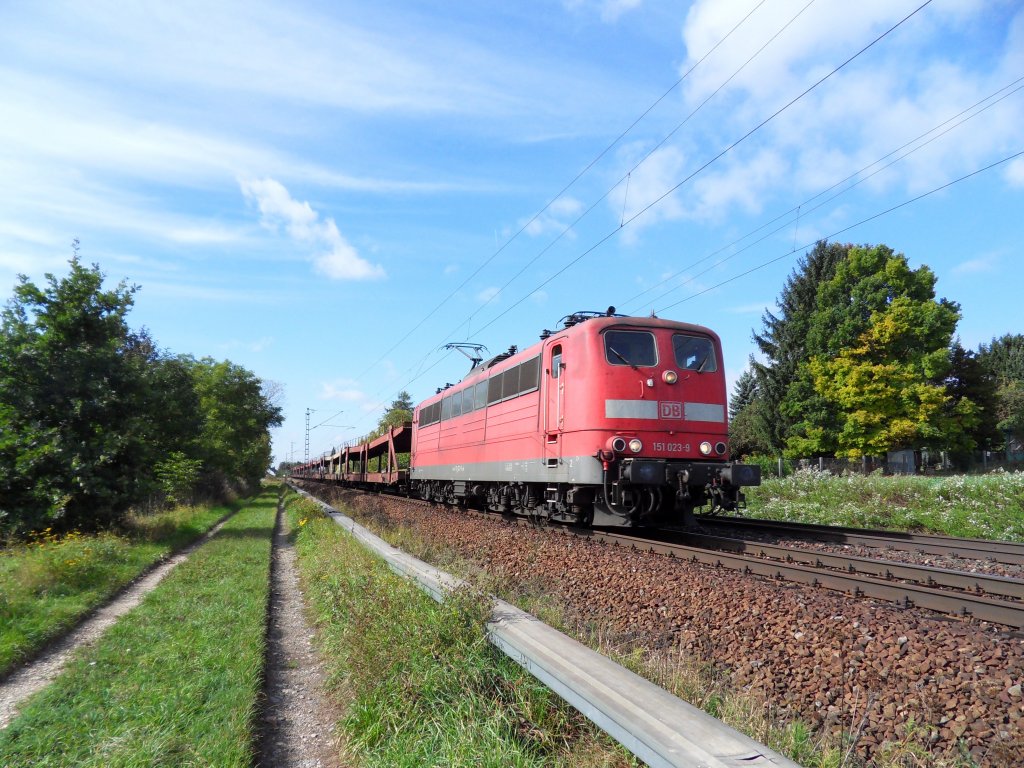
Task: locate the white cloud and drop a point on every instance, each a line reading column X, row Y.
column 650, row 185
column 1015, row 172
column 907, row 84
column 487, row 295
column 555, row 218
column 609, row 10
column 977, row 265
column 277, row 208
column 343, row 390
column 196, row 292
column 259, row 345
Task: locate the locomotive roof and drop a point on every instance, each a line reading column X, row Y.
column 585, row 323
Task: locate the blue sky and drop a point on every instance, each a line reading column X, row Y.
column 329, row 192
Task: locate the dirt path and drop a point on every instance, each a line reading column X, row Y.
column 38, row 674
column 297, row 722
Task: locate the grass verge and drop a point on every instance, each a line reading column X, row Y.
column 176, row 681
column 419, row 682
column 980, row 506
column 50, row 583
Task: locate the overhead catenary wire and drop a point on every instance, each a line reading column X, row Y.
column 564, row 189
column 623, row 221
column 838, row 232
column 707, row 164
column 802, row 210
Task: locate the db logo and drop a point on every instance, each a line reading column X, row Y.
column 671, row 410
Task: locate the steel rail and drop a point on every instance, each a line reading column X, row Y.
column 907, row 595
column 1001, row 551
column 928, row 575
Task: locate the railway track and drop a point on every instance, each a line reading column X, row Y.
column 996, row 599
column 982, row 549
column 988, row 598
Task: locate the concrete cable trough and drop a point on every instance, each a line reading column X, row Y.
column 657, row 727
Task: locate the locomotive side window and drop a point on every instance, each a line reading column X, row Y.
column 456, row 404
column 446, row 408
column 631, row 348
column 430, row 415
column 494, row 389
column 481, row 395
column 510, row 383
column 694, row 353
column 529, row 375
column 556, row 361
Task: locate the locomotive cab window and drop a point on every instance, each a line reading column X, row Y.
column 556, row 361
column 694, row 353
column 632, row 348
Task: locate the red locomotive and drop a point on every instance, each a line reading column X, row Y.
column 609, row 421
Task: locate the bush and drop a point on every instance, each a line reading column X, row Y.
column 769, row 465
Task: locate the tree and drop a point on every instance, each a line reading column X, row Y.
column 1003, row 360
column 785, row 394
column 743, row 393
column 72, row 393
column 397, row 414
column 879, row 344
column 237, row 417
column 94, row 418
column 178, row 476
column 1010, row 408
column 968, row 379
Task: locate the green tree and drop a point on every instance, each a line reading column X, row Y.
column 178, row 476
column 237, row 416
column 748, row 425
column 743, row 393
column 71, row 391
column 397, row 414
column 1003, row 357
column 880, row 354
column 1003, row 360
column 786, row 394
column 1010, row 408
column 968, row 379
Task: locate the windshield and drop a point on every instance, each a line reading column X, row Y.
column 694, row 353
column 631, row 348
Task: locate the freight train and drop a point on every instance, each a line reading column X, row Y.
column 610, row 420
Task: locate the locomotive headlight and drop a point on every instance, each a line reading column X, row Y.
column 670, row 377
column 721, row 448
column 635, row 445
column 618, row 444
column 705, row 448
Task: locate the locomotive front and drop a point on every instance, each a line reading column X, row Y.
column 648, row 397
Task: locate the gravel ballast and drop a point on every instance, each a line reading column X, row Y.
column 843, row 664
